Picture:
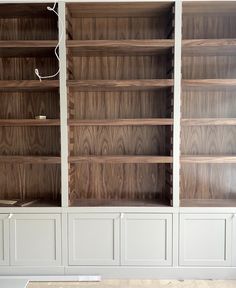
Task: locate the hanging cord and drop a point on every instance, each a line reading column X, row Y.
column 53, row 9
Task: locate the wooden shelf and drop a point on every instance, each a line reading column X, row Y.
column 117, row 203
column 35, row 203
column 214, row 159
column 116, row 85
column 121, row 159
column 123, row 47
column 208, row 47
column 208, row 203
column 208, row 121
column 27, row 48
column 28, row 85
column 209, row 83
column 29, row 122
column 122, row 122
column 30, row 159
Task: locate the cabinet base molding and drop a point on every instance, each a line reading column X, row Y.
column 65, row 274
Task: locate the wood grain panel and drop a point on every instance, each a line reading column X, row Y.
column 136, row 9
column 120, row 67
column 208, row 181
column 123, row 105
column 28, row 85
column 125, row 140
column 208, row 26
column 22, row 105
column 28, row 10
column 29, row 28
column 119, row 182
column 23, row 68
column 209, row 140
column 108, row 28
column 209, row 103
column 209, row 67
column 30, row 182
column 44, row 141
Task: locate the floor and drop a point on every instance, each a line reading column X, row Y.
column 137, row 284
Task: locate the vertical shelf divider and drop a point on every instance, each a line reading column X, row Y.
column 177, row 95
column 63, row 111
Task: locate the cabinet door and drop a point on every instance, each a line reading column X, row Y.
column 4, row 239
column 147, row 239
column 205, row 239
column 94, row 239
column 35, row 239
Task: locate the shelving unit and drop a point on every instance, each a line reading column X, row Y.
column 120, row 85
column 29, row 148
column 208, row 105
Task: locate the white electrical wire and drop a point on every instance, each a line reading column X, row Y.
column 55, row 50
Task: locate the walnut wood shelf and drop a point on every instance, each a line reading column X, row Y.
column 208, row 203
column 208, row 122
column 121, row 159
column 28, row 85
column 27, row 48
column 30, row 159
column 208, row 159
column 110, row 47
column 116, row 85
column 209, row 83
column 201, row 47
column 118, row 203
column 29, row 122
column 122, row 122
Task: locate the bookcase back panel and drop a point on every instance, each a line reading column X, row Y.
column 209, row 26
column 208, row 103
column 209, row 67
column 117, row 21
column 208, row 181
column 37, row 141
column 28, row 105
column 208, row 140
column 23, row 68
column 30, row 182
column 108, row 28
column 28, row 28
column 114, row 105
column 120, row 67
column 120, row 182
column 124, row 140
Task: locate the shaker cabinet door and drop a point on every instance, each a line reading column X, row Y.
column 94, row 239
column 35, row 239
column 205, row 239
column 147, row 239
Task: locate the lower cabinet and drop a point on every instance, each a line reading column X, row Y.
column 4, row 239
column 146, row 239
column 35, row 239
column 94, row 239
column 206, row 239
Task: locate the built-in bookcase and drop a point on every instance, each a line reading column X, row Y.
column 208, row 169
column 29, row 148
column 120, row 103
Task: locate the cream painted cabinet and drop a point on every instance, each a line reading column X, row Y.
column 206, row 239
column 94, row 239
column 4, row 239
column 35, row 239
column 146, row 239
